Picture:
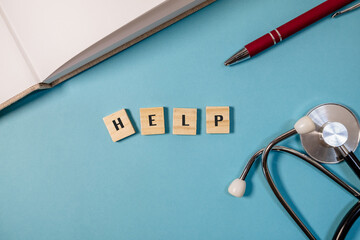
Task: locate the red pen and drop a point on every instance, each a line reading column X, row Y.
column 286, row 30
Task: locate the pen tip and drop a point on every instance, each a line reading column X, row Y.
column 240, row 56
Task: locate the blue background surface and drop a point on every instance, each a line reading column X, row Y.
column 61, row 176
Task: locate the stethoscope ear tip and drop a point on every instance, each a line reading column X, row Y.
column 237, row 188
column 304, row 125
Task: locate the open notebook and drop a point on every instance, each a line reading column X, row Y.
column 43, row 43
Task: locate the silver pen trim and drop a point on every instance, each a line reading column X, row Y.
column 278, row 34
column 272, row 38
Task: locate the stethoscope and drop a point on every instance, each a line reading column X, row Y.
column 329, row 133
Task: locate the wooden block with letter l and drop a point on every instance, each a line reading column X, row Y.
column 152, row 121
column 119, row 125
column 184, row 121
column 217, row 119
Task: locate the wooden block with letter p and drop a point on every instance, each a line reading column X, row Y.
column 217, row 119
column 119, row 125
column 184, row 121
column 152, row 121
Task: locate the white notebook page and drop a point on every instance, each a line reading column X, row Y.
column 15, row 73
column 143, row 24
column 52, row 32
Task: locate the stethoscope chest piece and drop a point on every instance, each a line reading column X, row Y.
column 335, row 126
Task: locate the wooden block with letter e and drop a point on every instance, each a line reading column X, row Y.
column 119, row 125
column 217, row 119
column 184, row 121
column 152, row 121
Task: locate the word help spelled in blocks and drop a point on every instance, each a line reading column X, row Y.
column 119, row 125
column 152, row 121
column 217, row 119
column 184, row 121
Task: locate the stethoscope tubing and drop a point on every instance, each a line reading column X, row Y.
column 265, row 153
column 275, row 189
column 347, row 222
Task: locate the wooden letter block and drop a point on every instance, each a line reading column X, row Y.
column 152, row 121
column 119, row 125
column 217, row 119
column 184, row 121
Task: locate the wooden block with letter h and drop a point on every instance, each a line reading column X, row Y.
column 184, row 121
column 152, row 121
column 217, row 119
column 119, row 125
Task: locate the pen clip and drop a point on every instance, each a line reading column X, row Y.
column 346, row 10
